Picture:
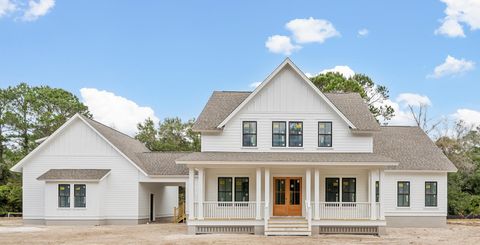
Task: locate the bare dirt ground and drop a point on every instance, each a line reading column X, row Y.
column 13, row 232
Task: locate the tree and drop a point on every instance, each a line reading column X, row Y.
column 373, row 94
column 171, row 135
column 28, row 113
column 462, row 147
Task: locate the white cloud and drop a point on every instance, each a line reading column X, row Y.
column 470, row 117
column 452, row 66
column 311, row 30
column 363, row 32
column 281, row 45
column 116, row 111
column 255, row 84
column 6, row 6
column 458, row 12
column 346, row 71
column 413, row 99
column 37, row 9
column 403, row 115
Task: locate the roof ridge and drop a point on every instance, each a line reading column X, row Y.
column 93, row 120
column 233, row 91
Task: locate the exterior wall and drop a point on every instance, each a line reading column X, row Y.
column 211, row 181
column 286, row 98
column 417, row 194
column 78, row 146
column 92, row 211
column 165, row 199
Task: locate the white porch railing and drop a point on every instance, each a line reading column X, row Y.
column 228, row 210
column 344, row 210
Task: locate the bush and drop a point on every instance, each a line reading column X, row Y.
column 10, row 198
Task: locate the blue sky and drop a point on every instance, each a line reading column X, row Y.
column 165, row 58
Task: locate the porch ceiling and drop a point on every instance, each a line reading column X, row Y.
column 291, row 158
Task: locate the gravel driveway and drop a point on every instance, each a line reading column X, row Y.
column 12, row 232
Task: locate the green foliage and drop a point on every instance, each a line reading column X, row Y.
column 10, row 198
column 464, row 185
column 372, row 93
column 26, row 114
column 171, row 135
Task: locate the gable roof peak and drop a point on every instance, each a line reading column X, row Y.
column 270, row 77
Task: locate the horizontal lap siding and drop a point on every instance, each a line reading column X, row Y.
column 417, row 194
column 80, row 147
column 286, row 98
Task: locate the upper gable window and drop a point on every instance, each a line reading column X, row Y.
column 295, row 134
column 325, row 134
column 279, row 134
column 249, row 134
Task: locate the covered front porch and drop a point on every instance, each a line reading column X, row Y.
column 262, row 196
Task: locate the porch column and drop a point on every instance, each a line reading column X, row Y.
column 308, row 189
column 317, row 194
column 200, row 192
column 371, row 188
column 267, row 194
column 258, row 193
column 381, row 180
column 191, row 194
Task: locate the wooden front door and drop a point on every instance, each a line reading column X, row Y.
column 287, row 196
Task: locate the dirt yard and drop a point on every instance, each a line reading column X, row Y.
column 13, row 232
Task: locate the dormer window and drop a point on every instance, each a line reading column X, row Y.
column 279, row 134
column 295, row 134
column 325, row 134
column 249, row 134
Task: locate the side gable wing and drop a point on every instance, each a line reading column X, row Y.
column 51, row 138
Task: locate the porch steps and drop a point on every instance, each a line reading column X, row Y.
column 288, row 227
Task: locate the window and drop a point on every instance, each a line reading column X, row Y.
column 63, row 196
column 80, row 194
column 377, row 191
column 279, row 134
column 295, row 134
column 430, row 194
column 349, row 190
column 403, row 194
column 241, row 189
column 249, row 134
column 332, row 186
column 325, row 134
column 224, row 189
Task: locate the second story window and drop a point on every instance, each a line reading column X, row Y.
column 249, row 134
column 295, row 134
column 279, row 134
column 325, row 134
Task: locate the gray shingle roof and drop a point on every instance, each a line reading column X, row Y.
column 74, row 174
column 412, row 148
column 152, row 163
column 163, row 163
column 284, row 157
column 222, row 103
column 355, row 109
column 218, row 107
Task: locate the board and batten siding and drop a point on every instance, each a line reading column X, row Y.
column 417, row 194
column 79, row 147
column 287, row 98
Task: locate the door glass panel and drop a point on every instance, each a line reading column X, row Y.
column 294, row 191
column 332, row 189
column 280, row 191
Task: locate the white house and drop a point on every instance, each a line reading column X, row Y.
column 88, row 173
column 285, row 159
